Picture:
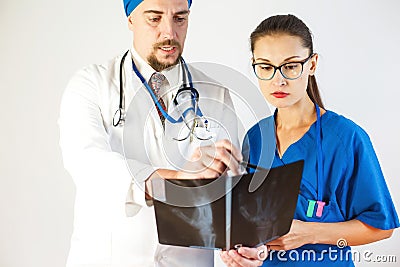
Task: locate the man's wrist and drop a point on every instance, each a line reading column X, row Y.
column 161, row 174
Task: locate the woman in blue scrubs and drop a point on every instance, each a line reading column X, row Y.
column 344, row 200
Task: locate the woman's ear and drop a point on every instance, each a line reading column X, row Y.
column 314, row 63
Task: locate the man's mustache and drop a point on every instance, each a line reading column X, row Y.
column 171, row 42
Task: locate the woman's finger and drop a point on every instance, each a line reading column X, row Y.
column 242, row 261
column 260, row 253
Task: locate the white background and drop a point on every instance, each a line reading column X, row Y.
column 43, row 42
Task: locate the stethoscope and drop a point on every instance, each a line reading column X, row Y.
column 186, row 94
column 320, row 171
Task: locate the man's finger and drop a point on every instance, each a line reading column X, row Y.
column 227, row 158
column 225, row 143
column 223, row 155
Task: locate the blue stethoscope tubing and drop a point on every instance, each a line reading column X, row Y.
column 320, row 155
column 320, row 172
column 185, row 70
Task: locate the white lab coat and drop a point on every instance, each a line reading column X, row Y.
column 113, row 226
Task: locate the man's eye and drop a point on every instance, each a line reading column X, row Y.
column 180, row 19
column 154, row 19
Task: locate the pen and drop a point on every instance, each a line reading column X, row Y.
column 246, row 164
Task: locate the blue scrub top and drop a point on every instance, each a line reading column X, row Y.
column 353, row 183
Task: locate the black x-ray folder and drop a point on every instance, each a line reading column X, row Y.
column 227, row 212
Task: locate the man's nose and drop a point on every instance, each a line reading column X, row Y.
column 167, row 29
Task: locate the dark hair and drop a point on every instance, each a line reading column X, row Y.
column 291, row 25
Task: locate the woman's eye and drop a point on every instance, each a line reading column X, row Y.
column 292, row 66
column 266, row 67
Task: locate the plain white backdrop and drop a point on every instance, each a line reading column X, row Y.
column 44, row 42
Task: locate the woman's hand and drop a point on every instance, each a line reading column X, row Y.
column 245, row 257
column 298, row 236
column 353, row 232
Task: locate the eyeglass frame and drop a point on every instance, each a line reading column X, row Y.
column 302, row 62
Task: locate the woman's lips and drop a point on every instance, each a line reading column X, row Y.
column 280, row 94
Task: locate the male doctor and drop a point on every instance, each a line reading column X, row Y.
column 112, row 167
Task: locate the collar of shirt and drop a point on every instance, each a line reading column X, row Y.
column 173, row 76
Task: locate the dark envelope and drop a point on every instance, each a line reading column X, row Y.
column 206, row 213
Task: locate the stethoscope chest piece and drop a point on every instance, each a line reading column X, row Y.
column 119, row 117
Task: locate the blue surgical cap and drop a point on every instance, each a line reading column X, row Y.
column 130, row 5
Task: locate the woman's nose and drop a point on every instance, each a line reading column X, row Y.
column 278, row 79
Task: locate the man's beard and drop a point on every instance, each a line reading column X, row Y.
column 155, row 63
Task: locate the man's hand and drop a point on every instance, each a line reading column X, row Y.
column 212, row 161
column 206, row 162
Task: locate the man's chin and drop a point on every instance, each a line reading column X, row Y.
column 170, row 61
column 163, row 62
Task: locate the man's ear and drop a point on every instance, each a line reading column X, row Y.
column 130, row 22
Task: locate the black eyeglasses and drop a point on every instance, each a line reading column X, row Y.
column 290, row 70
